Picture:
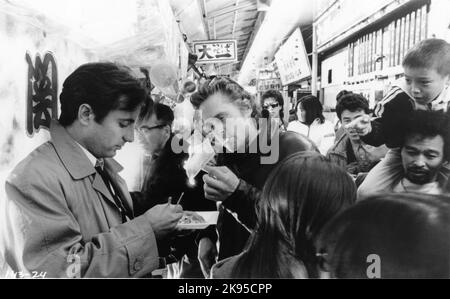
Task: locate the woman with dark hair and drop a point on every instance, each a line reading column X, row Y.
column 313, row 124
column 272, row 101
column 402, row 235
column 295, row 204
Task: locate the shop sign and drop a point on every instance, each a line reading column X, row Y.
column 267, row 84
column 292, row 60
column 42, row 92
column 216, row 51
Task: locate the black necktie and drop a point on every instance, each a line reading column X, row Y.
column 126, row 214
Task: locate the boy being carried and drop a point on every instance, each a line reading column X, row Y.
column 425, row 87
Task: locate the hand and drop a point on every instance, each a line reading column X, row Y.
column 361, row 125
column 164, row 218
column 207, row 255
column 219, row 183
column 353, row 168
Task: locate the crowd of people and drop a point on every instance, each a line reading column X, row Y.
column 367, row 198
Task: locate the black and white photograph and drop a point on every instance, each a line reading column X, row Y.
column 204, row 142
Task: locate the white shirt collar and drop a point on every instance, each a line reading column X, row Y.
column 406, row 185
column 90, row 156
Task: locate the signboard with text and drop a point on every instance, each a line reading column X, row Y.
column 216, row 51
column 292, row 60
column 267, row 84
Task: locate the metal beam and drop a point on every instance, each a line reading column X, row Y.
column 258, row 23
column 204, row 13
column 235, row 19
column 214, row 28
column 230, row 9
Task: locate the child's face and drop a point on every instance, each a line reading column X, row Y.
column 424, row 84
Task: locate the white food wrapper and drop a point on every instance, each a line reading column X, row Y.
column 200, row 153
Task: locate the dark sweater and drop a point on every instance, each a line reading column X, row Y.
column 232, row 232
column 392, row 112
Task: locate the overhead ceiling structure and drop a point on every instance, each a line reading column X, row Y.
column 138, row 32
column 231, row 19
column 280, row 21
column 259, row 34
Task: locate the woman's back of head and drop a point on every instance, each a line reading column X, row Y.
column 408, row 233
column 301, row 194
column 313, row 109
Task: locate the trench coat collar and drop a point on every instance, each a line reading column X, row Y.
column 72, row 156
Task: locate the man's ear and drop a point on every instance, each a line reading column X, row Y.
column 85, row 114
column 167, row 131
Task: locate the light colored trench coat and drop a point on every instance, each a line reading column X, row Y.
column 60, row 220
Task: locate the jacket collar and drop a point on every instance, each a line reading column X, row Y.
column 441, row 102
column 72, row 156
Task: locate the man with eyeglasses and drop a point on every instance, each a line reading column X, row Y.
column 165, row 177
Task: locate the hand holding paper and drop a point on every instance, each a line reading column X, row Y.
column 220, row 183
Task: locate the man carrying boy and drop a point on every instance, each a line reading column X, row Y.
column 425, row 87
column 424, row 151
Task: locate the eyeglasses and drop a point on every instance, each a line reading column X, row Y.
column 273, row 106
column 147, row 130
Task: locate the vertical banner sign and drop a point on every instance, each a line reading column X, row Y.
column 42, row 97
column 216, row 51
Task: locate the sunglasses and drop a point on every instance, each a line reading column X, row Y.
column 147, row 130
column 273, row 106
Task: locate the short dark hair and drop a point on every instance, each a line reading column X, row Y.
column 219, row 84
column 428, row 124
column 162, row 112
column 429, row 53
column 103, row 86
column 313, row 108
column 409, row 232
column 341, row 94
column 352, row 102
column 189, row 86
column 272, row 93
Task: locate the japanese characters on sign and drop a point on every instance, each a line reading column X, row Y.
column 292, row 60
column 267, row 84
column 42, row 97
column 215, row 51
column 268, row 78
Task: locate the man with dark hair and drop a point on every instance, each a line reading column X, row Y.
column 165, row 177
column 154, row 124
column 241, row 172
column 68, row 213
column 350, row 152
column 425, row 149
